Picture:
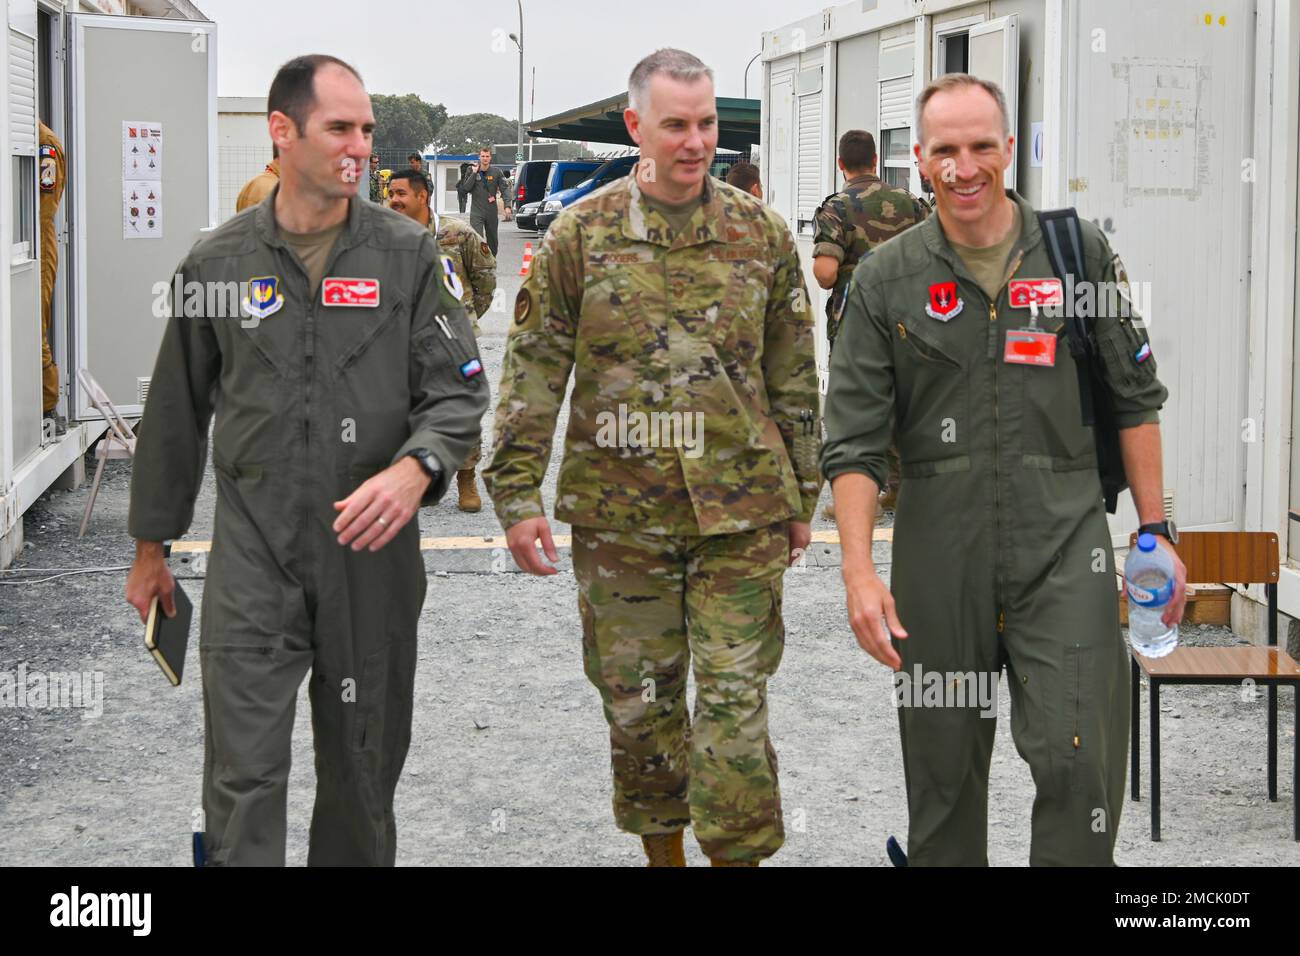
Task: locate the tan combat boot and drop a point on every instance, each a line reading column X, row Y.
column 469, row 499
column 664, row 849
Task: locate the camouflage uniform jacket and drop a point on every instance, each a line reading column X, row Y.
column 470, row 257
column 710, row 329
column 867, row 212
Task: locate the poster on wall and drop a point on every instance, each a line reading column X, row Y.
column 141, row 180
column 141, row 209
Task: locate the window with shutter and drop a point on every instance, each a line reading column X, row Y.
column 22, row 94
column 23, row 146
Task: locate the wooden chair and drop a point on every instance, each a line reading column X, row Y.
column 1212, row 557
column 118, row 442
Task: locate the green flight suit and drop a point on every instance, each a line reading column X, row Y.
column 1001, row 552
column 307, row 407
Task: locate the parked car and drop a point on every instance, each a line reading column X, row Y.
column 530, row 190
column 526, row 215
column 605, row 173
column 567, row 173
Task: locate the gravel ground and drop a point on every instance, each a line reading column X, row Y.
column 509, row 759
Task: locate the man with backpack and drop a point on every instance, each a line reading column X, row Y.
column 964, row 337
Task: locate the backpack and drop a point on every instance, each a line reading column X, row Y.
column 1065, row 250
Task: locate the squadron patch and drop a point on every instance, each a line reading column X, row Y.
column 450, row 281
column 944, row 303
column 485, row 249
column 264, row 296
column 523, row 305
column 49, row 167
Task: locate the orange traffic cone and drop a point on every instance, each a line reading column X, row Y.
column 528, row 259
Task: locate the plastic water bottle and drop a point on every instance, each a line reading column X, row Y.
column 1149, row 581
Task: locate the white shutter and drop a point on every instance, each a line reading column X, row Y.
column 896, row 103
column 22, row 94
column 809, row 156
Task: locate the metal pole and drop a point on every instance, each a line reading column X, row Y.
column 519, row 147
column 747, row 66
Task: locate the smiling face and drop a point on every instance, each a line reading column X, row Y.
column 327, row 155
column 964, row 153
column 407, row 198
column 678, row 134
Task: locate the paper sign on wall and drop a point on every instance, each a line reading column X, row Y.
column 141, row 180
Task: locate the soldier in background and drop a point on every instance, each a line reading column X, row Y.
column 745, row 176
column 376, row 183
column 865, row 213
column 261, row 185
column 53, row 177
column 483, row 185
column 675, row 297
column 472, row 262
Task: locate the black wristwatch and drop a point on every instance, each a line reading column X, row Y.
column 1166, row 529
column 432, row 467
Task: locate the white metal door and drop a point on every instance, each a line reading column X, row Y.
column 994, row 54
column 124, row 71
column 781, row 144
column 1161, row 110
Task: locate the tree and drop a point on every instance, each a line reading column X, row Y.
column 405, row 122
column 571, row 150
column 465, row 134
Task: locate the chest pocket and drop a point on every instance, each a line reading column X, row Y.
column 615, row 327
column 1053, row 435
column 357, row 331
column 932, row 385
column 743, row 306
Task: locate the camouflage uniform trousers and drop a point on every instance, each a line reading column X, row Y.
column 651, row 605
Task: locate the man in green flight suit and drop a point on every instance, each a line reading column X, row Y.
column 1001, row 551
column 475, row 269
column 689, row 471
column 345, row 383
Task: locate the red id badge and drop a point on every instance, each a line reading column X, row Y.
column 1030, row 347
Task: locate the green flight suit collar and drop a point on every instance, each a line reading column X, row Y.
column 355, row 231
column 935, row 240
column 643, row 223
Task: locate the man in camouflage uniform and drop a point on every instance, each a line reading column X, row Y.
column 376, row 183
column 475, row 268
column 849, row 223
column 680, row 302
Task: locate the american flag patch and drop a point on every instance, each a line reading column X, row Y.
column 1143, row 353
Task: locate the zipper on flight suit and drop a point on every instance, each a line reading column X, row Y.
column 997, row 437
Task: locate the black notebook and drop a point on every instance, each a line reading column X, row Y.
column 166, row 637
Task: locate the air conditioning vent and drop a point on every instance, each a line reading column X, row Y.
column 142, row 390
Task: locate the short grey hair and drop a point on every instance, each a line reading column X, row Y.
column 678, row 64
column 951, row 81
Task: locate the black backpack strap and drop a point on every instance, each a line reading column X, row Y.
column 1065, row 250
column 1064, row 241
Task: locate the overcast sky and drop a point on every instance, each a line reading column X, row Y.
column 443, row 49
